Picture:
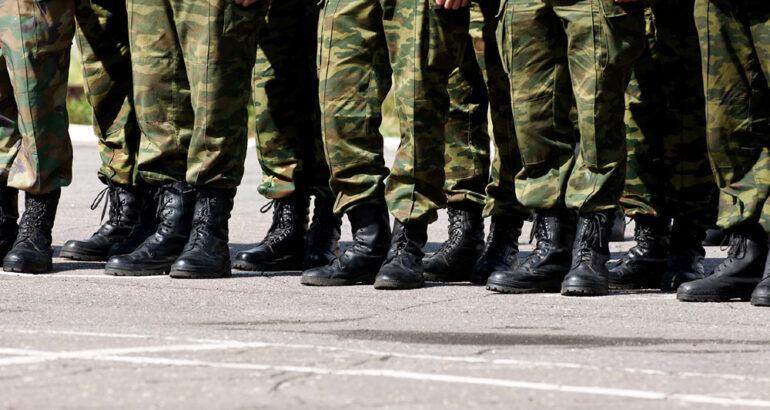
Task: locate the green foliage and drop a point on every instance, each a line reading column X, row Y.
column 79, row 110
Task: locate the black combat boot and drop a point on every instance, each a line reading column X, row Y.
column 543, row 270
column 402, row 268
column 591, row 251
column 207, row 254
column 454, row 261
column 685, row 261
column 32, row 252
column 501, row 248
column 761, row 294
column 156, row 254
column 284, row 245
column 361, row 261
column 643, row 266
column 323, row 237
column 125, row 205
column 147, row 222
column 737, row 275
column 9, row 216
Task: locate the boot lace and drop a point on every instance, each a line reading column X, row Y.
column 539, row 232
column 455, row 231
column 591, row 238
column 283, row 219
column 33, row 221
column 116, row 203
column 198, row 232
column 736, row 246
column 401, row 243
column 98, row 200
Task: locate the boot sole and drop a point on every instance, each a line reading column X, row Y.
column 576, row 290
column 521, row 288
column 583, row 289
column 760, row 301
column 21, row 268
column 185, row 274
column 268, row 266
column 83, row 256
column 396, row 285
column 711, row 298
column 319, row 281
column 112, row 271
column 444, row 278
column 633, row 286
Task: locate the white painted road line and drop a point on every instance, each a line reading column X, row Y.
column 447, row 378
column 209, row 344
column 61, row 275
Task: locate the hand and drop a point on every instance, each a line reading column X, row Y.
column 452, row 4
column 245, row 3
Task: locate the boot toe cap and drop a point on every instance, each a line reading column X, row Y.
column 761, row 295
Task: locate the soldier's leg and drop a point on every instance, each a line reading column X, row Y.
column 605, row 39
column 466, row 165
column 219, row 43
column 36, row 44
column 502, row 205
column 103, row 42
column 644, row 194
column 355, row 78
column 9, row 137
column 165, row 116
column 285, row 87
column 738, row 132
column 761, row 32
column 414, row 190
column 691, row 192
column 36, row 48
column 161, row 93
column 534, row 49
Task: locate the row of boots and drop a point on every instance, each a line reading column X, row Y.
column 395, row 260
column 182, row 230
column 175, row 228
column 572, row 251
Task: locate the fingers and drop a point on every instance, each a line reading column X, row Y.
column 245, row 3
column 452, row 4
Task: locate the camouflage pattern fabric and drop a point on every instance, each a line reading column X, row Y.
column 362, row 43
column 190, row 62
column 103, row 43
column 554, row 50
column 668, row 173
column 285, row 81
column 735, row 48
column 35, row 41
column 466, row 157
column 481, row 82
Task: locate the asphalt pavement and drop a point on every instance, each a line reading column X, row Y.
column 79, row 339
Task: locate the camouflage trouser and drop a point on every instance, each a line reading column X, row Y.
column 192, row 63
column 481, row 82
column 735, row 47
column 35, row 40
column 668, row 173
column 103, row 42
column 363, row 42
column 555, row 49
column 289, row 140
